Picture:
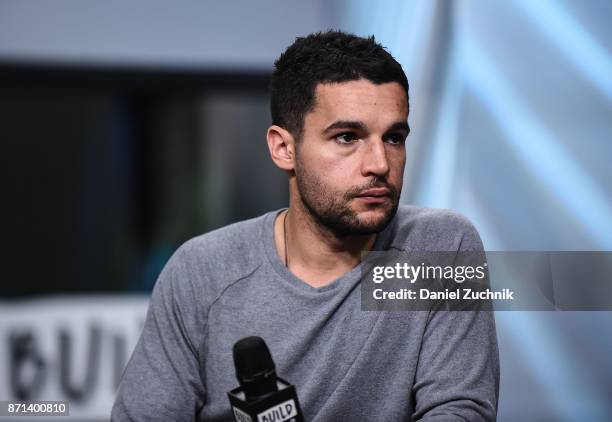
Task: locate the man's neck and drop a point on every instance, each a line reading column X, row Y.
column 314, row 253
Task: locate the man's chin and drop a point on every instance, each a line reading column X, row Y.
column 355, row 219
column 371, row 221
column 373, row 226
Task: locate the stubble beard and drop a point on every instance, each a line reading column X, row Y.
column 332, row 210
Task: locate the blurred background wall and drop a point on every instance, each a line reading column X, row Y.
column 129, row 127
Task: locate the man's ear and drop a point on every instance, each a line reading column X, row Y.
column 282, row 147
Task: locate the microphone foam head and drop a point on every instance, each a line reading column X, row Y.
column 252, row 358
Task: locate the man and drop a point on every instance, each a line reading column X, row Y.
column 339, row 111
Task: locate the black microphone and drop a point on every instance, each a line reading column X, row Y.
column 262, row 396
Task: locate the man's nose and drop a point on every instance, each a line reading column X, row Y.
column 374, row 160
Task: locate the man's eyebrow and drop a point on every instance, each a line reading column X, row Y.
column 356, row 125
column 399, row 126
column 345, row 124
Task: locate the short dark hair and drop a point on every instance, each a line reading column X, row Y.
column 325, row 57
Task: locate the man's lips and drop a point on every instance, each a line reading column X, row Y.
column 375, row 193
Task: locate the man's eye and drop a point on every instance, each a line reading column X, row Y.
column 346, row 138
column 395, row 139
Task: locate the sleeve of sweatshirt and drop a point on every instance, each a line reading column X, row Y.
column 162, row 381
column 457, row 377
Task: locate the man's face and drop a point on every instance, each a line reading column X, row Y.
column 350, row 161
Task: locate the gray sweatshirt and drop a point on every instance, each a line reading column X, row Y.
column 346, row 364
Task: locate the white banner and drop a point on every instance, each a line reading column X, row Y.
column 70, row 348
